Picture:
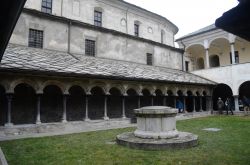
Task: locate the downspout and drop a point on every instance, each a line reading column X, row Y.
column 183, row 55
column 62, row 8
column 127, row 20
column 69, row 35
column 127, row 30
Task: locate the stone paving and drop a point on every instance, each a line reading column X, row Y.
column 53, row 129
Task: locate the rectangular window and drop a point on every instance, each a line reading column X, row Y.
column 35, row 38
column 89, row 47
column 187, row 66
column 98, row 18
column 47, row 6
column 237, row 59
column 136, row 30
column 149, row 59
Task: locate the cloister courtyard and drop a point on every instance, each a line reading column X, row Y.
column 229, row 145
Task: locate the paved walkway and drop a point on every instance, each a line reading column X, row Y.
column 52, row 129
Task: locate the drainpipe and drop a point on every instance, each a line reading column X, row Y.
column 183, row 55
column 69, row 35
column 62, row 8
column 127, row 20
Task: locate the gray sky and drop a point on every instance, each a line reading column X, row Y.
column 188, row 15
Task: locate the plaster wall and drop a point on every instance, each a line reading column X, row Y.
column 117, row 15
column 233, row 75
column 108, row 45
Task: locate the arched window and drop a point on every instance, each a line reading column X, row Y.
column 200, row 63
column 214, row 61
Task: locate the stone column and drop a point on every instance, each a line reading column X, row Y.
column 184, row 104
column 152, row 100
column 164, row 100
column 38, row 106
column 87, row 107
column 201, row 103
column 123, row 107
column 236, row 103
column 64, row 118
column 208, row 103
column 105, row 108
column 207, row 59
column 139, row 101
column 174, row 101
column 9, row 99
column 194, row 106
column 232, row 53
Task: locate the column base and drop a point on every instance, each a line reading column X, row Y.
column 86, row 119
column 8, row 124
column 106, row 118
column 64, row 121
column 38, row 122
column 124, row 117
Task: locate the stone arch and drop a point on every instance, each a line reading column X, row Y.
column 76, row 103
column 180, row 97
column 170, row 98
column 159, row 97
column 54, row 83
column 190, row 101
column 214, row 61
column 51, row 103
column 3, row 105
column 101, row 85
column 218, row 38
column 15, row 83
column 135, row 88
column 194, row 44
column 24, row 104
column 223, row 91
column 96, row 102
column 131, row 102
column 115, row 103
column 146, row 99
column 200, row 63
column 244, row 92
column 79, row 84
column 194, row 51
column 5, row 86
column 119, row 87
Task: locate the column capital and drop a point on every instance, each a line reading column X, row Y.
column 9, row 95
column 88, row 93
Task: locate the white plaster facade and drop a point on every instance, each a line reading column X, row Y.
column 202, row 45
column 117, row 15
column 71, row 22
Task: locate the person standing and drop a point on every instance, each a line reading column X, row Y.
column 246, row 103
column 220, row 105
column 229, row 106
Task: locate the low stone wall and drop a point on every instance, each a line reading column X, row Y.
column 3, row 160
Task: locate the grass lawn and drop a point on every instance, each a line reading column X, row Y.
column 231, row 146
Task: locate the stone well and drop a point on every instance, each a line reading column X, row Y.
column 156, row 130
column 156, row 123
